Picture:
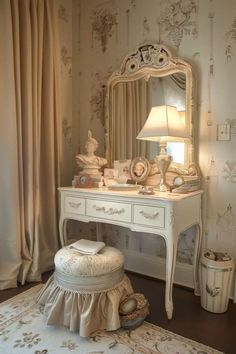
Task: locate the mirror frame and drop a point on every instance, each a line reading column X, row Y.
column 159, row 63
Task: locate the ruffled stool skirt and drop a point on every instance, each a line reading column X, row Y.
column 85, row 303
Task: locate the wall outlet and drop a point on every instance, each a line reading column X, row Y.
column 223, row 132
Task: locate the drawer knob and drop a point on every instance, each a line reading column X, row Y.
column 149, row 216
column 109, row 211
column 74, row 205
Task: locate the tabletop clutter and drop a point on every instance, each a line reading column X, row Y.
column 134, row 309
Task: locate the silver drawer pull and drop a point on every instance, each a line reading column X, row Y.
column 149, row 216
column 74, row 205
column 109, row 211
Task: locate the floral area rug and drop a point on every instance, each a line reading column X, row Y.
column 23, row 331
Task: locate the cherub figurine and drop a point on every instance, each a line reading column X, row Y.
column 90, row 163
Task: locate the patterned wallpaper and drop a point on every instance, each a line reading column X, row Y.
column 64, row 15
column 203, row 32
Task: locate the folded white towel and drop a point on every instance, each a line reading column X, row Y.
column 87, row 246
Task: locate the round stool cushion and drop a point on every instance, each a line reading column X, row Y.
column 69, row 261
column 88, row 273
column 85, row 291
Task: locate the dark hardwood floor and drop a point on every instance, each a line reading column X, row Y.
column 189, row 320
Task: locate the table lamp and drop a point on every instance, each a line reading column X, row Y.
column 163, row 124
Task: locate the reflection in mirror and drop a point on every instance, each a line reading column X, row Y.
column 132, row 104
column 141, row 83
column 177, row 151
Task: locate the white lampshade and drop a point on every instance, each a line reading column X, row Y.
column 163, row 123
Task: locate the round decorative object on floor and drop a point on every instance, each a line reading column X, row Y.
column 85, row 291
column 133, row 311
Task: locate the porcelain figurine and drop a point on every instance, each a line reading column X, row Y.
column 90, row 163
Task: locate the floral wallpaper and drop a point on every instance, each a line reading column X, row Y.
column 177, row 19
column 203, row 32
column 103, row 26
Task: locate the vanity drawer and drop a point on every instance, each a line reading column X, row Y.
column 74, row 205
column 150, row 216
column 109, row 210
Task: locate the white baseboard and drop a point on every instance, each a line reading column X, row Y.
column 155, row 267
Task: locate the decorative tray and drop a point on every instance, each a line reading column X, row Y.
column 124, row 187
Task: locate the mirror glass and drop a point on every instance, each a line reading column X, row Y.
column 148, row 77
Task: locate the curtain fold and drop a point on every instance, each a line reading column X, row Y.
column 131, row 105
column 30, row 117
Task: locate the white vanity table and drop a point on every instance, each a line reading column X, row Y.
column 164, row 214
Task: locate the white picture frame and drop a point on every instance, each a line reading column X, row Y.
column 110, row 173
column 139, row 169
column 123, row 167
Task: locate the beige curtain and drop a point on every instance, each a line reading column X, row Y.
column 29, row 139
column 131, row 106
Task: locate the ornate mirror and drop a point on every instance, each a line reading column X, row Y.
column 148, row 77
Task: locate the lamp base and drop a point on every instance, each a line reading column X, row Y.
column 163, row 162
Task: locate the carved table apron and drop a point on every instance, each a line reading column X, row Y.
column 164, row 214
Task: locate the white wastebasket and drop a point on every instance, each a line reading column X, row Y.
column 215, row 282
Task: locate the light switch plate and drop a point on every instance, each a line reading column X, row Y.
column 223, row 131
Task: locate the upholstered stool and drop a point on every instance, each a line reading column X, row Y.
column 85, row 291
